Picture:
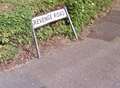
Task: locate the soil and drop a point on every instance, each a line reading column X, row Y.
column 27, row 53
column 6, row 7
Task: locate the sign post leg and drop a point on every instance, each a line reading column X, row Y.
column 36, row 43
column 73, row 28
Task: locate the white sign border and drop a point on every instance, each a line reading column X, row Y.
column 50, row 17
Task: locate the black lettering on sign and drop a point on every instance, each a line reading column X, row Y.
column 42, row 19
column 46, row 18
column 58, row 14
column 38, row 21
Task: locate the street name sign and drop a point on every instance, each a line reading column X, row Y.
column 48, row 18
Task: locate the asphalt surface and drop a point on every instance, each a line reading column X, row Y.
column 87, row 64
column 108, row 27
column 91, row 63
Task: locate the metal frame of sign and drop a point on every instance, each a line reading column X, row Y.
column 35, row 37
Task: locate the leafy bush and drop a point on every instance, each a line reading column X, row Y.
column 7, row 52
column 15, row 25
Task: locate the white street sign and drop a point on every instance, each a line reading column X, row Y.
column 48, row 18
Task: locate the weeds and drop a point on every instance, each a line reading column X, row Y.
column 15, row 24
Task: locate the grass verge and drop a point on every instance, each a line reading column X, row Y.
column 16, row 15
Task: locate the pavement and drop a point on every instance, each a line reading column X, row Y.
column 91, row 63
column 108, row 27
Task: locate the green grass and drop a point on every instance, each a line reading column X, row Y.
column 15, row 25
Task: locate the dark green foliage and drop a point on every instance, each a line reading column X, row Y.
column 15, row 26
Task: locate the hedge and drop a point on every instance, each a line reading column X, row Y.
column 15, row 25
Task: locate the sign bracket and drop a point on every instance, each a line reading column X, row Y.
column 36, row 43
column 73, row 28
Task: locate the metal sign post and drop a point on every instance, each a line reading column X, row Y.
column 36, row 43
column 73, row 28
column 49, row 18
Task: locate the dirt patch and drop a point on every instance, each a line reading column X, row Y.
column 6, row 7
column 28, row 52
